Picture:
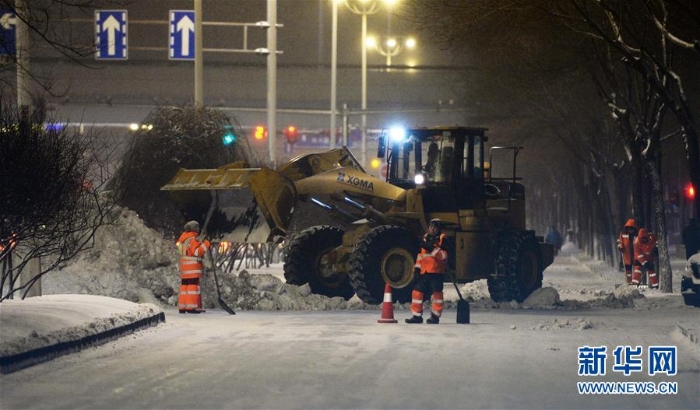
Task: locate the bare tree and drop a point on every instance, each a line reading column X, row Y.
column 644, row 81
column 48, row 25
column 50, row 201
column 660, row 41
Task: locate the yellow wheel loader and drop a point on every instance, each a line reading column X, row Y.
column 376, row 225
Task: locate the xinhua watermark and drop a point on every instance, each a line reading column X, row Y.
column 628, row 360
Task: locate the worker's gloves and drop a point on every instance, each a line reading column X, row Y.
column 428, row 243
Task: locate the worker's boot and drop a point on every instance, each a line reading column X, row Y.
column 415, row 319
column 433, row 320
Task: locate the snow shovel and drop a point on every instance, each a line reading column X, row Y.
column 462, row 305
column 223, row 304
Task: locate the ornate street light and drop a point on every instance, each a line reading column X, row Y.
column 391, row 46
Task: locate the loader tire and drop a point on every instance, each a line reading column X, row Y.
column 386, row 254
column 519, row 267
column 304, row 262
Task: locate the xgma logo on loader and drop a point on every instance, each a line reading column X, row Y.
column 355, row 181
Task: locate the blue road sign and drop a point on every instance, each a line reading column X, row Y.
column 7, row 32
column 181, row 35
column 111, row 34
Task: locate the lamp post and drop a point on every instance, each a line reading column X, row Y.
column 391, row 46
column 364, row 8
column 334, row 71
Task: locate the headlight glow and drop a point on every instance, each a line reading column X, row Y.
column 419, row 179
column 397, row 134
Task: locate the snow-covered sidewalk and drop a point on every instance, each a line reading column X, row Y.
column 40, row 328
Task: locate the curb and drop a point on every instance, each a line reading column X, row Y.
column 9, row 364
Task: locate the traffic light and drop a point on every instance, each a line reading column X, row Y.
column 291, row 133
column 690, row 191
column 229, row 136
column 260, row 133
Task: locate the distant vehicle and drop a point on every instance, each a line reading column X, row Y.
column 690, row 282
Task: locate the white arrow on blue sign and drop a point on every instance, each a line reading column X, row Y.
column 111, row 34
column 182, row 34
column 7, row 32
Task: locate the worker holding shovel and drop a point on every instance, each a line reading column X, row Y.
column 192, row 251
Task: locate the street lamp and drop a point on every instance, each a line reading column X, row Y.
column 364, row 8
column 391, row 46
column 334, row 71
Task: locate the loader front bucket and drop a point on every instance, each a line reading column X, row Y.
column 276, row 197
column 245, row 204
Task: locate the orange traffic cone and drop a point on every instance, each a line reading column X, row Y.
column 387, row 307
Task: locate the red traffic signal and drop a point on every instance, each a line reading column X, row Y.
column 291, row 133
column 690, row 191
column 260, row 133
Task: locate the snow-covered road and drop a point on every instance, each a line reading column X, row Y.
column 508, row 357
column 345, row 359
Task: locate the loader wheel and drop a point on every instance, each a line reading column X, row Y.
column 309, row 260
column 386, row 254
column 519, row 267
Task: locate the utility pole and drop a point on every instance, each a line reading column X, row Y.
column 198, row 56
column 272, row 79
column 24, row 105
column 334, row 72
column 22, row 45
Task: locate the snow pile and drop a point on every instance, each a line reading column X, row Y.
column 128, row 261
column 543, row 298
column 267, row 292
column 133, row 262
column 559, row 324
column 569, row 247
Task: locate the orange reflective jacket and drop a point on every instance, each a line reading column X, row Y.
column 645, row 247
column 191, row 255
column 434, row 261
column 625, row 242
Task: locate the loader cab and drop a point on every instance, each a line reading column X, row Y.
column 446, row 163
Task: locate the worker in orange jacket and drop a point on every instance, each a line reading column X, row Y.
column 192, row 251
column 644, row 256
column 430, row 267
column 625, row 243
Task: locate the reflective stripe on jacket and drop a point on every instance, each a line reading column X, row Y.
column 434, row 261
column 191, row 255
